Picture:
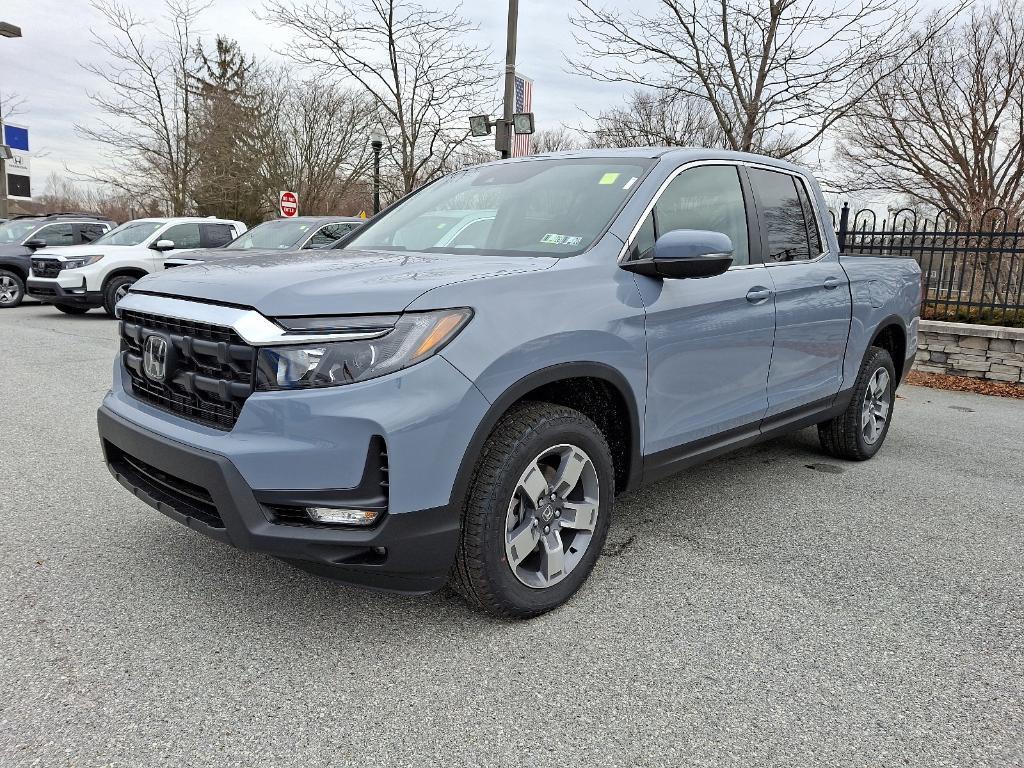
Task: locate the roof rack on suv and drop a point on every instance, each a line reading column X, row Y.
column 62, row 214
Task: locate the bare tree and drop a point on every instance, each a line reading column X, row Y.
column 416, row 65
column 318, row 143
column 777, row 74
column 554, row 140
column 657, row 119
column 947, row 129
column 148, row 131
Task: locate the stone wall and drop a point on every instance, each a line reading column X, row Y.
column 977, row 351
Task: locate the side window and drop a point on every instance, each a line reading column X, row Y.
column 183, row 235
column 56, row 234
column 89, row 232
column 707, row 197
column 473, row 235
column 782, row 216
column 328, row 235
column 214, row 235
column 813, row 232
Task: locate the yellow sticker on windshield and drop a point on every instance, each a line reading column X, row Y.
column 609, row 178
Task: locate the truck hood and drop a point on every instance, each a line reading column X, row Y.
column 216, row 254
column 87, row 249
column 314, row 282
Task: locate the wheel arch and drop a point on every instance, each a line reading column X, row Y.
column 891, row 336
column 17, row 269
column 581, row 385
column 135, row 272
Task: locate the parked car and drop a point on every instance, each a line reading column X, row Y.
column 292, row 234
column 79, row 278
column 402, row 414
column 21, row 236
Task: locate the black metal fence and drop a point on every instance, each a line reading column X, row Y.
column 972, row 271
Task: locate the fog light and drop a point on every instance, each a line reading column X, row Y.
column 343, row 516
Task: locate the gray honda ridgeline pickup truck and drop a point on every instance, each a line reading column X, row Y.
column 459, row 392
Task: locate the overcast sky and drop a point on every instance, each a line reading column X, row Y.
column 44, row 67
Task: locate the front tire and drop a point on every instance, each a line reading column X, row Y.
column 859, row 431
column 115, row 290
column 537, row 512
column 12, row 289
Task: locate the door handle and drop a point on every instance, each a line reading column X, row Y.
column 832, row 282
column 757, row 294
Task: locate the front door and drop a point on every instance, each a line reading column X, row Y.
column 812, row 296
column 709, row 341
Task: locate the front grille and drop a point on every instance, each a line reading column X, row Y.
column 183, row 497
column 209, row 372
column 37, row 290
column 45, row 267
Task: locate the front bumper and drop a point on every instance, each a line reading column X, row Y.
column 66, row 289
column 405, row 552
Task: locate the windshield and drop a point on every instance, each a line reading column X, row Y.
column 17, row 231
column 129, row 233
column 272, row 234
column 549, row 207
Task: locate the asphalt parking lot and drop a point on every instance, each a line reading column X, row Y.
column 775, row 607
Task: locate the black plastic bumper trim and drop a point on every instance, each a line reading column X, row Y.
column 408, row 552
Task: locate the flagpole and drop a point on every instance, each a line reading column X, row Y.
column 503, row 136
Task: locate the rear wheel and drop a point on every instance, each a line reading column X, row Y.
column 115, row 290
column 71, row 309
column 859, row 431
column 12, row 289
column 538, row 511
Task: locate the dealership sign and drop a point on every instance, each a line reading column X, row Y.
column 19, row 176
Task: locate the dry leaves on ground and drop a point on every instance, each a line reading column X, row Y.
column 965, row 384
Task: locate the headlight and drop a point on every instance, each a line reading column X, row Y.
column 80, row 261
column 415, row 337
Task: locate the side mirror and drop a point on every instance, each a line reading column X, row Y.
column 35, row 244
column 163, row 245
column 686, row 253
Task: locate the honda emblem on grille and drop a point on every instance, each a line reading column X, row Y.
column 154, row 357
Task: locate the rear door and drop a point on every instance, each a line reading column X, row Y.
column 216, row 235
column 812, row 295
column 709, row 341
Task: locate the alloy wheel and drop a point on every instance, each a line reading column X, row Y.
column 9, row 290
column 551, row 517
column 877, row 403
column 121, row 292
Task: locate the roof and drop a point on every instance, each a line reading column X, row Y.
column 185, row 220
column 325, row 219
column 675, row 154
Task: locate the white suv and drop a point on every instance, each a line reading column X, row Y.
column 76, row 279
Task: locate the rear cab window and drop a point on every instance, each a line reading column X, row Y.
column 791, row 228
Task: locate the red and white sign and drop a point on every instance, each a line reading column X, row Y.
column 289, row 204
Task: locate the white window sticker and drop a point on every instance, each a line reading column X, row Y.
column 630, row 183
column 553, row 239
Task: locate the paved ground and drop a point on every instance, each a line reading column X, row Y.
column 772, row 608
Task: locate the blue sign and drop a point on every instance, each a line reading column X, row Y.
column 16, row 137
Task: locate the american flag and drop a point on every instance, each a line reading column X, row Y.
column 524, row 103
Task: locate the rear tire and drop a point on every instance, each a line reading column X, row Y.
column 537, row 511
column 72, row 309
column 858, row 432
column 12, row 289
column 114, row 291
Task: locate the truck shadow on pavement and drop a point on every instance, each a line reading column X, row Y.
column 679, row 512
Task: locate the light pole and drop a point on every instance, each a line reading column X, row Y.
column 6, row 30
column 503, row 137
column 377, row 142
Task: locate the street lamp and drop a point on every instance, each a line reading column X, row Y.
column 377, row 142
column 6, row 30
